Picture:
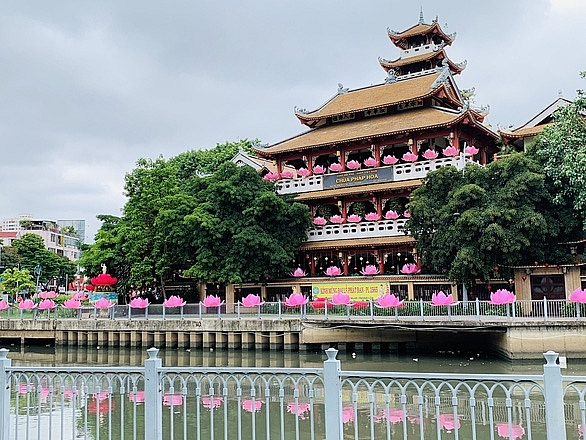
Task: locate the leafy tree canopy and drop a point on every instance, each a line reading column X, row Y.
column 15, row 280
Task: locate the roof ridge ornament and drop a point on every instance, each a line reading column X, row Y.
column 445, row 69
column 392, row 32
column 383, row 60
column 391, row 77
column 462, row 65
column 300, row 111
column 435, row 20
column 421, row 21
column 452, row 36
column 341, row 89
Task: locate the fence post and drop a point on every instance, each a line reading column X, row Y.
column 544, row 308
column 332, row 395
column 555, row 421
column 153, row 417
column 4, row 394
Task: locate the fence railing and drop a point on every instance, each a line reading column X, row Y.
column 156, row 402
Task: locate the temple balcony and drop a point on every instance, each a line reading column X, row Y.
column 369, row 176
column 382, row 228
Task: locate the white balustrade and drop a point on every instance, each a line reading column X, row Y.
column 300, row 185
column 383, row 228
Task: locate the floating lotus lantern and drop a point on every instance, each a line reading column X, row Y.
column 251, row 301
column 390, row 160
column 299, row 273
column 72, row 304
column 4, row 305
column 319, row 221
column 252, row 405
column 341, row 299
column 211, row 402
column 502, row 296
column 578, row 296
column 47, row 304
column 139, row 303
column 303, row 172
column 354, row 218
column 391, row 215
column 516, row 431
column 103, row 303
column 271, row 177
column 333, row 271
column 410, row 269
column 372, row 217
column 335, row 167
column 27, row 304
column 388, row 300
column 471, row 150
column 295, row 300
column 441, row 299
column 48, row 295
column 336, row 219
column 298, row 409
column 370, row 162
column 448, row 423
column 353, row 165
column 430, row 154
column 318, row 169
column 410, row 157
column 370, row 270
column 173, row 301
column 287, row 174
column 450, row 151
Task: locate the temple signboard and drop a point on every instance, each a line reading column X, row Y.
column 358, row 178
column 356, row 290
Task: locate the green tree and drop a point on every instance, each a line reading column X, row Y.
column 15, row 280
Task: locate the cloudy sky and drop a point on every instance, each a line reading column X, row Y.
column 88, row 87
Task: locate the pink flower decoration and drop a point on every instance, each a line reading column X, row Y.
column 333, row 271
column 271, row 177
column 102, row 395
column 72, row 303
column 580, row 431
column 336, row 219
column 48, row 295
column 353, row 165
column 360, row 305
column 448, row 423
column 287, row 174
column 68, row 394
column 388, row 300
column 212, row 301
column 174, row 301
column 211, row 402
column 578, row 296
column 335, row 167
column 354, row 218
column 139, row 303
column 393, row 415
column 79, row 296
column 319, row 221
column 303, row 172
column 299, row 273
column 27, row 304
column 450, row 151
column 471, row 150
column 407, row 214
column 299, row 409
column 104, row 279
column 295, row 300
column 410, row 269
column 390, row 160
column 4, row 305
column 391, row 215
column 250, row 406
column 320, row 303
column 370, row 162
column 318, row 169
column 441, row 299
column 369, row 270
column 410, row 157
column 517, row 431
column 341, row 299
column 430, row 154
column 47, row 304
column 103, row 303
column 348, row 414
column 172, row 399
column 372, row 217
column 137, row 397
column 251, row 301
column 502, row 296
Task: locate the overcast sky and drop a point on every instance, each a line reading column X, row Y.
column 89, row 87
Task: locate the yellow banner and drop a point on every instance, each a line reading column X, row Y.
column 356, row 290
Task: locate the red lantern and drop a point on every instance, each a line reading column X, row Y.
column 489, row 287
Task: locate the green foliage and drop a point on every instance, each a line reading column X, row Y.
column 15, row 280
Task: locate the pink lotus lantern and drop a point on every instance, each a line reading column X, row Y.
column 139, row 303
column 137, row 397
column 318, row 169
column 360, row 305
column 4, row 305
column 336, row 167
column 299, row 273
column 471, row 150
column 103, row 303
column 101, row 407
column 341, row 299
column 410, row 269
column 450, row 151
column 430, row 154
column 410, row 157
column 47, row 304
column 89, row 288
column 295, row 300
column 407, row 214
column 390, row 160
column 174, row 301
column 393, row 415
column 303, row 172
column 336, row 219
column 102, row 395
column 354, row 218
column 372, row 217
column 517, row 431
column 251, row 301
column 211, row 402
column 298, row 409
column 68, row 394
column 271, row 177
column 353, row 165
column 502, row 296
column 348, row 414
column 79, row 296
column 388, row 300
column 252, row 406
column 104, row 279
column 48, row 295
column 27, row 304
column 578, row 296
column 391, row 215
column 448, row 423
column 211, row 301
column 321, row 303
column 369, row 270
column 333, row 271
column 287, row 174
column 319, row 221
column 72, row 304
column 441, row 299
column 172, row 399
column 370, row 162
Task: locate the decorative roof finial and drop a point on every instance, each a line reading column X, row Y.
column 341, row 89
column 421, row 15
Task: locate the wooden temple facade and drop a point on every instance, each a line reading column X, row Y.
column 365, row 150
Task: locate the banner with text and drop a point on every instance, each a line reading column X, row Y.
column 356, row 290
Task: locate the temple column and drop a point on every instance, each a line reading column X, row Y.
column 310, row 164
column 279, row 167
column 342, row 158
column 381, row 261
column 344, row 263
column 311, row 265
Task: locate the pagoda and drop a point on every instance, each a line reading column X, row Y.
column 367, row 149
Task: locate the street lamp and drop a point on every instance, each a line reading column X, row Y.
column 37, row 271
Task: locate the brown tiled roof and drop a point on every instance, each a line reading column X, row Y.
column 357, row 243
column 372, row 97
column 407, row 121
column 348, row 191
column 399, row 62
column 523, row 132
column 420, row 29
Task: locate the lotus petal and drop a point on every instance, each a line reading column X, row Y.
column 72, row 303
column 271, row 177
column 295, row 300
column 174, row 301
column 391, row 215
column 318, row 169
column 341, row 299
column 370, row 270
column 4, row 305
column 103, row 303
column 336, row 219
column 47, row 304
column 251, row 301
column 27, row 304
column 471, row 150
column 299, row 273
column 336, row 167
column 410, row 269
column 370, row 162
column 287, row 174
column 47, row 295
column 319, row 221
column 333, row 271
column 389, row 300
column 502, row 296
column 450, row 151
column 441, row 299
column 139, row 303
column 372, row 217
column 430, row 154
column 211, row 301
column 303, row 172
column 390, row 160
column 410, row 157
column 104, row 279
column 354, row 218
column 578, row 296
column 353, row 165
